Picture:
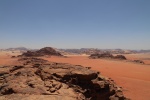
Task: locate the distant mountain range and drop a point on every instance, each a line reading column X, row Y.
column 22, row 49
column 18, row 48
column 87, row 51
column 90, row 51
column 143, row 51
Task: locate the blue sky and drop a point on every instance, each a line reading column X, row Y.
column 105, row 24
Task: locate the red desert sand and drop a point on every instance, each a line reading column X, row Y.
column 133, row 77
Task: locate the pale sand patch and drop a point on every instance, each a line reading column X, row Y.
column 5, row 57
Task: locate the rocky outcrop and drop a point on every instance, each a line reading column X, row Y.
column 102, row 55
column 55, row 81
column 138, row 61
column 32, row 61
column 117, row 57
column 48, row 51
column 42, row 52
column 107, row 55
column 121, row 57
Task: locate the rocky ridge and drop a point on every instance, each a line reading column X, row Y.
column 39, row 79
column 117, row 57
column 107, row 55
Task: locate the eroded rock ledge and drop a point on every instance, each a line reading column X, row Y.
column 42, row 80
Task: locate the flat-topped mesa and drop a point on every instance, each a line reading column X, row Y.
column 55, row 81
column 107, row 55
column 101, row 55
column 121, row 57
column 42, row 52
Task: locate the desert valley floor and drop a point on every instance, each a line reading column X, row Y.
column 133, row 77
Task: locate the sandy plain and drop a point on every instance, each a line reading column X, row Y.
column 133, row 77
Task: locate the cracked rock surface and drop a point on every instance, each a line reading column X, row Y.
column 41, row 80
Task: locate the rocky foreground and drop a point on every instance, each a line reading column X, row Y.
column 38, row 79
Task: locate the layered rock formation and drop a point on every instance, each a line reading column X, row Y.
column 117, row 57
column 107, row 55
column 121, row 57
column 42, row 80
column 42, row 52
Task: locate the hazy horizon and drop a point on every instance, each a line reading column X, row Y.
column 108, row 24
column 72, row 48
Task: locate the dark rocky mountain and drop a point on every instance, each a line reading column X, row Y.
column 42, row 52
